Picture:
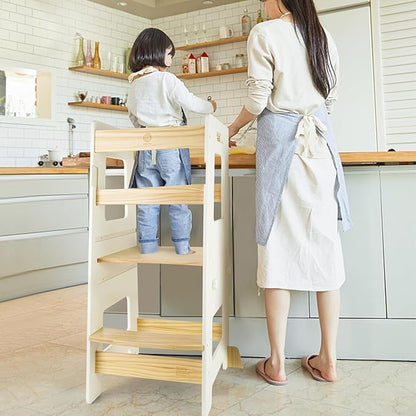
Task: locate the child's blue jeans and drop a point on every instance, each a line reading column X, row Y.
column 168, row 171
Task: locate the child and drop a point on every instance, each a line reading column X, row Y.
column 156, row 98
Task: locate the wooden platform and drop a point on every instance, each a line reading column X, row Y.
column 165, row 255
column 144, row 339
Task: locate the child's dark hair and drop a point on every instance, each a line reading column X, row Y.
column 149, row 49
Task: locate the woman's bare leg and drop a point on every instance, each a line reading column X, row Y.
column 277, row 303
column 328, row 309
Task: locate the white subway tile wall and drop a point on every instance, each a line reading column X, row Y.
column 41, row 33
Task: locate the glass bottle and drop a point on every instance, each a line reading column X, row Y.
column 80, row 57
column 96, row 62
column 88, row 56
column 127, row 59
column 259, row 16
column 245, row 22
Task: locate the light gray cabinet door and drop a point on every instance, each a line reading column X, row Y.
column 247, row 302
column 363, row 293
column 398, row 191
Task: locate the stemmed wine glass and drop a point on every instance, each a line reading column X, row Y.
column 204, row 30
column 196, row 33
column 186, row 31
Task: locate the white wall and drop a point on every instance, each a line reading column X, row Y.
column 40, row 33
column 398, row 66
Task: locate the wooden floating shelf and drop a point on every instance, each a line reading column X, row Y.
column 96, row 71
column 99, row 106
column 213, row 73
column 212, row 43
column 118, row 75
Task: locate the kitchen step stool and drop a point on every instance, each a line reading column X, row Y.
column 114, row 256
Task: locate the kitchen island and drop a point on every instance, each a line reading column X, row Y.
column 378, row 312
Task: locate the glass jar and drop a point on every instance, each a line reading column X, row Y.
column 239, row 60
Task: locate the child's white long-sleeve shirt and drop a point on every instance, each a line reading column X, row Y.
column 157, row 99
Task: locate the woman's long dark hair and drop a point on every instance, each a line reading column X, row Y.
column 307, row 22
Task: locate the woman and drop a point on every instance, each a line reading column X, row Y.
column 300, row 188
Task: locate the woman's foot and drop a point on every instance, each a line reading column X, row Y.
column 263, row 367
column 321, row 369
column 275, row 370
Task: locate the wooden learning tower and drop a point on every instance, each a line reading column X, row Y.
column 114, row 256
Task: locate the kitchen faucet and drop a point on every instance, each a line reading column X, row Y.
column 71, row 127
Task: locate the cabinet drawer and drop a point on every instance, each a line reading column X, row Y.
column 38, row 214
column 40, row 251
column 43, row 280
column 12, row 186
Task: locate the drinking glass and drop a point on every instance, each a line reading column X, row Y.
column 204, row 30
column 186, row 31
column 196, row 33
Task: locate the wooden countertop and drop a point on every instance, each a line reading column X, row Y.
column 238, row 161
column 40, row 171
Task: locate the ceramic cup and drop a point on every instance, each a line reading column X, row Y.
column 105, row 99
column 115, row 100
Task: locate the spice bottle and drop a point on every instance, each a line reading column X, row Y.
column 192, row 64
column 239, row 60
column 204, row 62
column 245, row 22
column 259, row 16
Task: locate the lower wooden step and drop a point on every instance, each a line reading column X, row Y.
column 170, row 326
column 183, row 370
column 147, row 339
column 165, row 255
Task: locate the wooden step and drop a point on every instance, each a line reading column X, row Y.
column 234, row 358
column 147, row 339
column 167, row 326
column 183, row 370
column 161, row 195
column 165, row 255
column 121, row 140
